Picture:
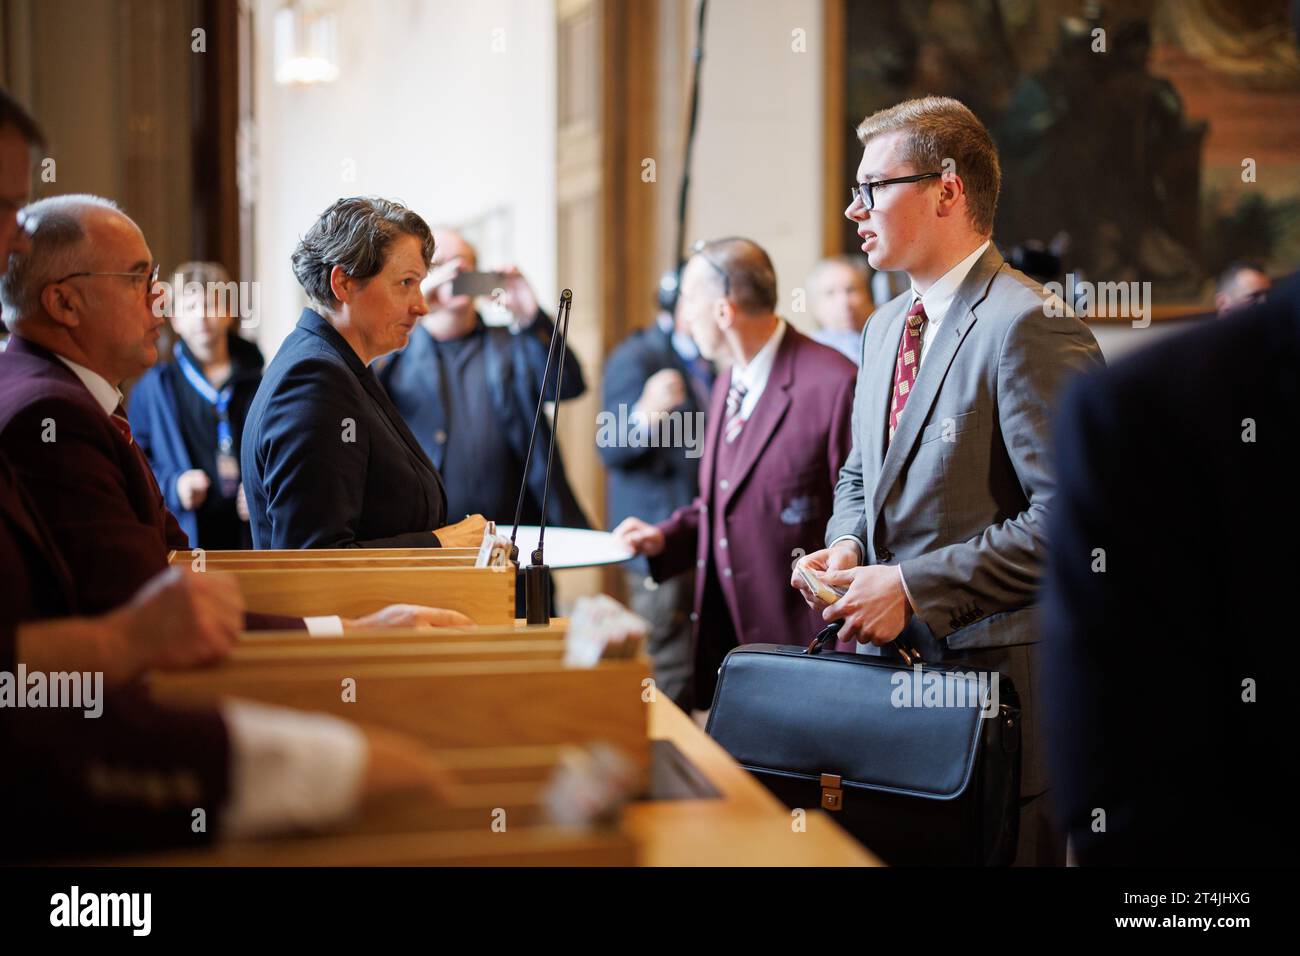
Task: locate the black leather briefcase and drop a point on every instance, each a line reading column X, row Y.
column 899, row 755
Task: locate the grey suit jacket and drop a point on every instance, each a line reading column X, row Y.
column 960, row 498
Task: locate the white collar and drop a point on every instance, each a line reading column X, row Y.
column 754, row 375
column 106, row 394
column 939, row 296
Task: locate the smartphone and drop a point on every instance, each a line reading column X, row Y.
column 478, row 283
column 826, row 593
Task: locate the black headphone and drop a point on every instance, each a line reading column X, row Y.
column 669, row 285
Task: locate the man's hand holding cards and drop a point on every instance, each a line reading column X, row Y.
column 819, row 589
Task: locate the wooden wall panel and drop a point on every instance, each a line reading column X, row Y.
column 606, row 223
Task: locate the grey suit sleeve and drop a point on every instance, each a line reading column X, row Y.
column 1001, row 568
column 849, row 517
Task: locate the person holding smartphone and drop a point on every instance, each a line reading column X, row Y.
column 468, row 389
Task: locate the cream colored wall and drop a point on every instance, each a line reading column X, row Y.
column 758, row 151
column 424, row 111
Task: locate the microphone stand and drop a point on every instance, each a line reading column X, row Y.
column 697, row 57
column 537, row 576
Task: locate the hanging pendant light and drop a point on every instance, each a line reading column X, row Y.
column 306, row 45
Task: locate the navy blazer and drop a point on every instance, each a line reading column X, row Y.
column 515, row 365
column 326, row 458
column 1168, row 581
column 647, row 482
column 155, row 422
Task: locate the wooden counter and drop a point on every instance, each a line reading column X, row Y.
column 747, row 826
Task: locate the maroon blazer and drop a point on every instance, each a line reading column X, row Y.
column 778, row 500
column 36, row 582
column 92, row 489
column 128, row 779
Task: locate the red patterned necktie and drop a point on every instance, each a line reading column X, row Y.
column 733, row 423
column 121, row 424
column 909, row 361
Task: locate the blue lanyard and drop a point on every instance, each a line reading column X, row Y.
column 220, row 401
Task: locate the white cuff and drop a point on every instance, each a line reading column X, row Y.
column 862, row 548
column 327, row 625
column 289, row 769
column 907, row 593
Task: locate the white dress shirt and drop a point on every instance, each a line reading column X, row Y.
column 288, row 769
column 108, row 395
column 938, row 298
column 754, row 375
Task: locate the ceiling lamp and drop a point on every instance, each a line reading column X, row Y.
column 306, row 46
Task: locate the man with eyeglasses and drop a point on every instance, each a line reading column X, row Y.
column 938, row 531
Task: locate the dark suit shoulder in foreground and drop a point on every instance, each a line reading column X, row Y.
column 1167, row 592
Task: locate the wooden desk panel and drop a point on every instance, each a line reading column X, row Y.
column 485, row 595
column 746, row 827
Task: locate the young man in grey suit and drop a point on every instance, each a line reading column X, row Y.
column 940, row 510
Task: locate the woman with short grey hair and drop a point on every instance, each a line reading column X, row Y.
column 327, row 460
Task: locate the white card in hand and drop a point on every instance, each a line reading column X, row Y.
column 494, row 551
column 601, row 629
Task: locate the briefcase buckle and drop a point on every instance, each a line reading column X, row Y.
column 832, row 793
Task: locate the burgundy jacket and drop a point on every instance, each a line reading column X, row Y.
column 92, row 489
column 126, row 780
column 777, row 500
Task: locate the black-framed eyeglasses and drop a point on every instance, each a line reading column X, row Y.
column 151, row 277
column 863, row 191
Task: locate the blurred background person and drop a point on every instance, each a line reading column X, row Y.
column 840, row 302
column 1240, row 285
column 468, row 391
column 653, row 372
column 188, row 413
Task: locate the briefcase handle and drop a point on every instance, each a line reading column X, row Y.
column 827, row 635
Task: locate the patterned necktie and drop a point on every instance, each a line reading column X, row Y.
column 909, row 361
column 734, row 423
column 120, row 422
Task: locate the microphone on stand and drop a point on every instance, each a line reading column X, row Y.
column 537, row 576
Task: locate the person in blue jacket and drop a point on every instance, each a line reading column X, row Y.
column 468, row 391
column 187, row 413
